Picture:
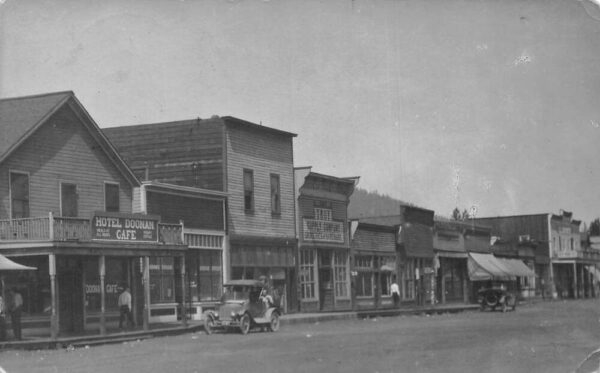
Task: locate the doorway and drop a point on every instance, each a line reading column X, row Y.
column 70, row 295
column 326, row 299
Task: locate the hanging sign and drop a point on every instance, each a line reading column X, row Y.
column 124, row 227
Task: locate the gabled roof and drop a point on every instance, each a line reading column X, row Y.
column 20, row 117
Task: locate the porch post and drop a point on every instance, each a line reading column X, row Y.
column 442, row 282
column 102, row 270
column 54, row 327
column 575, row 284
column 183, row 306
column 146, row 280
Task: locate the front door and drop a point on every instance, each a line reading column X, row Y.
column 326, row 299
column 70, row 296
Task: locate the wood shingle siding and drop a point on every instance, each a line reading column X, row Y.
column 184, row 153
column 63, row 150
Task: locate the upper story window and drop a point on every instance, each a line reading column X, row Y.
column 19, row 195
column 323, row 214
column 68, row 200
column 275, row 195
column 111, row 197
column 248, row 190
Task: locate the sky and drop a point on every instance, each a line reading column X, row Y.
column 485, row 105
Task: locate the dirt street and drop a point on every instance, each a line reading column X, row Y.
column 541, row 337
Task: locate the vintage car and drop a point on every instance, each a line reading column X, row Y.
column 245, row 304
column 496, row 297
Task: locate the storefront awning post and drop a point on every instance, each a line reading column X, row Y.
column 183, row 282
column 53, row 297
column 146, row 279
column 102, row 272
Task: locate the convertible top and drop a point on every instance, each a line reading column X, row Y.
column 256, row 283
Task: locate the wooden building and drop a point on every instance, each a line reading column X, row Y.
column 323, row 240
column 374, row 264
column 66, row 208
column 551, row 243
column 252, row 164
column 203, row 212
column 415, row 255
column 452, row 280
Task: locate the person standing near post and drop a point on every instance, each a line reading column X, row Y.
column 2, row 320
column 16, row 306
column 125, row 308
column 395, row 290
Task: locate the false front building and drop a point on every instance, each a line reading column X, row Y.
column 248, row 164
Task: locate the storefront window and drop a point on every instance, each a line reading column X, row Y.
column 364, row 279
column 205, row 273
column 387, row 265
column 307, row 274
column 340, row 275
column 162, row 280
column 408, row 283
column 114, row 280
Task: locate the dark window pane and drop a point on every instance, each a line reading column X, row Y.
column 111, row 197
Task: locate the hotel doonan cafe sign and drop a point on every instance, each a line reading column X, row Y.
column 124, row 227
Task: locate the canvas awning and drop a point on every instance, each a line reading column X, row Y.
column 517, row 267
column 487, row 267
column 8, row 265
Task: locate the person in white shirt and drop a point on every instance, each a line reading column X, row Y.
column 125, row 308
column 395, row 290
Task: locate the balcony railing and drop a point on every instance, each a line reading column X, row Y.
column 51, row 228
column 592, row 255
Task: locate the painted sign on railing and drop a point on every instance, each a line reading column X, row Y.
column 125, row 227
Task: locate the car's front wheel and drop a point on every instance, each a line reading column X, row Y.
column 274, row 322
column 245, row 324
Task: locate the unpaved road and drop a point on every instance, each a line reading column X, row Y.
column 541, row 337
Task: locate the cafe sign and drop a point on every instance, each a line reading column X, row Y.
column 125, row 227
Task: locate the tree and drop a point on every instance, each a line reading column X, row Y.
column 456, row 214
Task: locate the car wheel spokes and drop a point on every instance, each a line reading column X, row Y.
column 274, row 324
column 245, row 324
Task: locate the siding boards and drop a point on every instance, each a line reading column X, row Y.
column 366, row 239
column 185, row 153
column 63, row 150
column 196, row 213
column 264, row 154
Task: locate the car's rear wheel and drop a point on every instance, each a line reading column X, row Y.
column 209, row 324
column 245, row 324
column 274, row 322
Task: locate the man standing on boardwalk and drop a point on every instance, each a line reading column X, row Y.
column 395, row 290
column 125, row 308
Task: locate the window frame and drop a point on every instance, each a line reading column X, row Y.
column 248, row 192
column 112, row 184
column 308, row 283
column 275, row 194
column 10, row 186
column 341, row 279
column 76, row 196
